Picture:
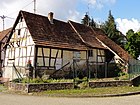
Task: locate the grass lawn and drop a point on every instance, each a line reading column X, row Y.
column 2, row 88
column 82, row 92
column 91, row 92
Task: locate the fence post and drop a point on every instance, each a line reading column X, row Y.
column 88, row 69
column 105, row 69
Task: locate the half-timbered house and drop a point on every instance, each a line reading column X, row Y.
column 3, row 39
column 49, row 45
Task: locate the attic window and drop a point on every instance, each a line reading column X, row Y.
column 13, row 31
column 21, row 19
column 19, row 31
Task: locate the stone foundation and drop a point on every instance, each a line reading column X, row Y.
column 109, row 84
column 32, row 87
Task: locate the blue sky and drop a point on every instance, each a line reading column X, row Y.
column 126, row 9
column 125, row 12
column 120, row 9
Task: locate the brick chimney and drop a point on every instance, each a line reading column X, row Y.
column 50, row 17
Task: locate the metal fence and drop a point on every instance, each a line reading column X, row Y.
column 134, row 68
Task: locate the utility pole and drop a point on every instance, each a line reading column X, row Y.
column 34, row 6
column 88, row 14
column 3, row 18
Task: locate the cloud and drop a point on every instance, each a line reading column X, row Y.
column 10, row 9
column 124, row 25
column 63, row 9
column 75, row 16
column 3, row 3
column 99, row 4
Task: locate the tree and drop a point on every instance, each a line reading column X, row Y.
column 133, row 42
column 109, row 27
column 92, row 23
column 88, row 21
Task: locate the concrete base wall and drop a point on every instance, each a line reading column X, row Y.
column 39, row 87
column 109, row 84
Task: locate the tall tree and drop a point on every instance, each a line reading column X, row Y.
column 133, row 42
column 110, row 26
column 92, row 23
column 88, row 21
column 111, row 31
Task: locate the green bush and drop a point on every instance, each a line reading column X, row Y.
column 40, row 80
column 17, row 80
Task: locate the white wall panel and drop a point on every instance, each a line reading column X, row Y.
column 53, row 52
column 39, row 52
column 40, row 61
column 46, row 52
column 46, row 61
column 67, row 56
column 16, row 52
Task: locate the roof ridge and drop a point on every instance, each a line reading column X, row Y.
column 45, row 16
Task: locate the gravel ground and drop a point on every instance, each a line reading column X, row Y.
column 13, row 99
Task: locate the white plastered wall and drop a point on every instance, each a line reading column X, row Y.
column 19, row 51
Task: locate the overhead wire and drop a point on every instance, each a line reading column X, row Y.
column 21, row 8
column 8, row 16
column 27, row 5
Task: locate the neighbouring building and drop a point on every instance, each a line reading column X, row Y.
column 3, row 39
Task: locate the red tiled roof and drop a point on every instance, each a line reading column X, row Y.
column 69, row 35
column 112, row 45
column 60, row 34
column 4, row 33
column 92, row 35
column 87, row 35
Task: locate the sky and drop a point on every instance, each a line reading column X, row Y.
column 125, row 12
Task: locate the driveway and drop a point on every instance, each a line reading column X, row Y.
column 9, row 99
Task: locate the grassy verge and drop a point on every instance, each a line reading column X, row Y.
column 91, row 92
column 2, row 88
column 82, row 92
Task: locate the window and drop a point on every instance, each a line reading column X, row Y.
column 101, row 55
column 19, row 31
column 21, row 19
column 90, row 53
column 76, row 55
